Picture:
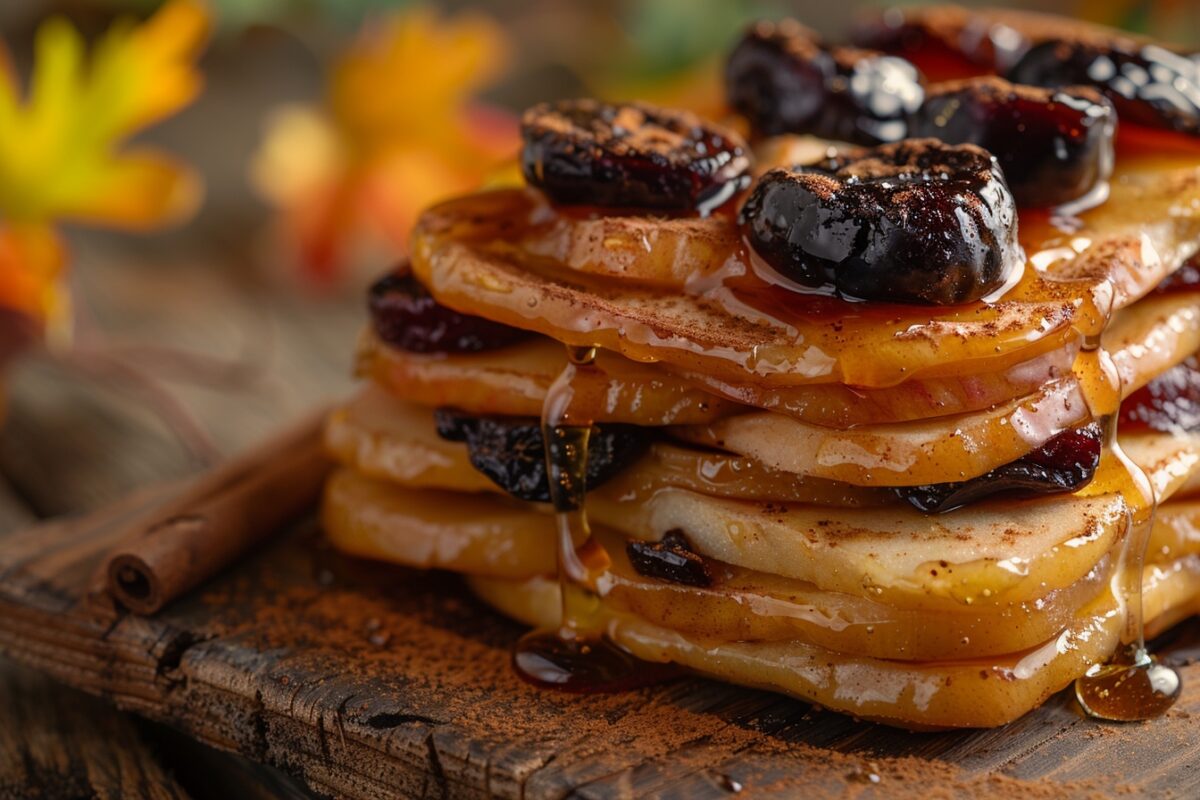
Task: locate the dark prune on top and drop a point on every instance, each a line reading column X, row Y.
column 1148, row 84
column 938, row 36
column 631, row 156
column 405, row 315
column 512, row 452
column 784, row 79
column 1170, row 403
column 917, row 221
column 1066, row 463
column 670, row 559
column 1054, row 145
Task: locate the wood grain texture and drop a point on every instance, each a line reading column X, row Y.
column 60, row 743
column 57, row 742
column 370, row 681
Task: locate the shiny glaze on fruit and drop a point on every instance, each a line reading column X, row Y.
column 785, row 79
column 917, row 222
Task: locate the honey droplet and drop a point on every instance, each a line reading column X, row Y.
column 548, row 660
column 1128, row 689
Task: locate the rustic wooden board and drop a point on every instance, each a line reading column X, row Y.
column 369, row 681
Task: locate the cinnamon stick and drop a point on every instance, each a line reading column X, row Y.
column 192, row 537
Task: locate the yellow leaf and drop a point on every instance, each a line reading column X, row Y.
column 410, row 78
column 60, row 147
column 400, row 129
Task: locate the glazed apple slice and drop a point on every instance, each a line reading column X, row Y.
column 764, row 334
column 974, row 692
column 383, row 437
column 901, row 454
column 513, row 381
column 744, row 605
column 478, row 534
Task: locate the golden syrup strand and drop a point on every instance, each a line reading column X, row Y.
column 576, row 657
column 1131, row 685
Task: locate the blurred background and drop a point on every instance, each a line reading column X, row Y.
column 214, row 292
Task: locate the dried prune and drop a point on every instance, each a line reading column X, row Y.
column 784, row 79
column 1066, row 463
column 405, row 315
column 917, row 221
column 631, row 156
column 670, row 559
column 1149, row 85
column 1170, row 403
column 949, row 41
column 1054, row 145
column 512, row 452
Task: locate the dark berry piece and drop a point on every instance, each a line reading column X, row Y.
column 512, row 453
column 1148, row 84
column 1066, row 463
column 671, row 559
column 1184, row 279
column 631, row 156
column 950, row 41
column 914, row 222
column 1054, row 145
column 1170, row 403
column 405, row 315
column 784, row 79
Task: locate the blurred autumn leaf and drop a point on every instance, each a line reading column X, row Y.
column 63, row 156
column 400, row 128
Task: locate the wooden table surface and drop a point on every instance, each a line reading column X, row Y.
column 81, row 432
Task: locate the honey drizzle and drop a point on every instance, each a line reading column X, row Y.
column 576, row 657
column 1131, row 685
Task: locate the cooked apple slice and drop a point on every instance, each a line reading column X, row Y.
column 513, row 381
column 1145, row 339
column 1171, row 461
column 477, row 534
column 383, row 437
column 786, row 339
column 987, row 554
column 744, row 605
column 982, row 692
column 1176, row 532
column 900, row 454
column 1153, row 335
column 971, row 692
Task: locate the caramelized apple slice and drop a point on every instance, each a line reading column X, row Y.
column 1176, row 532
column 1170, row 593
column 744, row 605
column 513, row 382
column 749, row 331
column 1172, row 461
column 1144, row 339
column 904, row 454
column 990, row 554
column 382, row 437
column 976, row 692
column 835, row 405
column 473, row 533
